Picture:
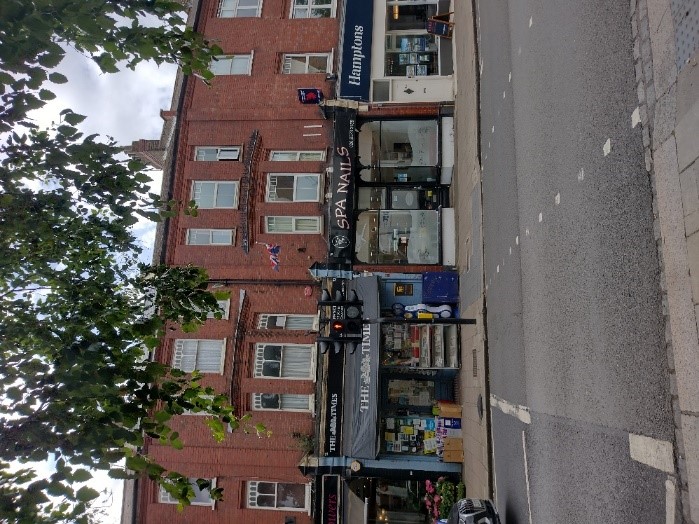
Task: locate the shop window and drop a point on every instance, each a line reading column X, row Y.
column 287, row 322
column 282, row 402
column 231, row 65
column 294, row 156
column 295, row 64
column 278, row 495
column 293, row 187
column 214, row 154
column 399, row 144
column 288, row 361
column 203, row 355
column 312, row 9
column 398, row 237
column 210, row 237
column 294, row 225
column 202, row 497
column 239, row 8
column 212, row 195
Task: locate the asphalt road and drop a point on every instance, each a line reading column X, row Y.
column 575, row 329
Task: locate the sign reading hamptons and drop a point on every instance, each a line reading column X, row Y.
column 356, row 50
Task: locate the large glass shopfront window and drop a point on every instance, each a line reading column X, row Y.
column 399, row 151
column 387, row 500
column 398, row 237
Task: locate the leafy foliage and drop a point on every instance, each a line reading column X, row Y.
column 75, row 383
column 114, row 33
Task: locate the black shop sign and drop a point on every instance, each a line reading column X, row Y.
column 341, row 228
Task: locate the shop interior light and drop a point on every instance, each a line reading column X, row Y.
column 395, row 12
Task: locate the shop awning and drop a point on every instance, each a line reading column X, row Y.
column 361, row 398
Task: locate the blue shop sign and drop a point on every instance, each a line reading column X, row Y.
column 355, row 76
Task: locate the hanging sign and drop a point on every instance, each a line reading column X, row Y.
column 310, row 95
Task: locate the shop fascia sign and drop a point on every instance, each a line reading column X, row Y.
column 365, row 371
column 334, row 391
column 342, row 202
column 356, row 50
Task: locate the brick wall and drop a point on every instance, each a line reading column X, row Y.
column 226, row 114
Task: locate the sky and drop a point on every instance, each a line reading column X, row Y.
column 126, row 106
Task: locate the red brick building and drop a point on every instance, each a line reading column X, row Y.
column 254, row 160
column 264, row 171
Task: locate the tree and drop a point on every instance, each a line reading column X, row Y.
column 78, row 313
column 114, row 33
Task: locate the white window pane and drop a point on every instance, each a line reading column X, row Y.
column 280, row 224
column 283, row 156
column 220, row 66
column 240, row 65
column 225, row 196
column 198, row 237
column 206, row 154
column 204, row 194
column 312, row 155
column 228, row 153
column 317, row 64
column 297, row 64
column 222, row 236
column 307, row 188
column 307, row 225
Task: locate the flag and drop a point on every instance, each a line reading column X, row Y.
column 273, row 250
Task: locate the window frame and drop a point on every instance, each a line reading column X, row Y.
column 201, row 231
column 296, row 177
column 217, row 183
column 259, row 361
column 232, row 58
column 264, row 318
column 250, row 505
column 254, row 403
column 165, row 498
column 258, row 10
column 331, row 7
column 223, row 304
column 298, row 153
column 294, row 218
column 180, row 342
column 219, row 150
column 307, row 57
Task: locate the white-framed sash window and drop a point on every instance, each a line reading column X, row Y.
column 287, row 361
column 293, row 187
column 287, row 322
column 212, row 195
column 225, row 305
column 279, row 496
column 239, row 8
column 206, row 356
column 202, row 497
column 293, row 225
column 313, row 9
column 282, row 402
column 308, row 63
column 210, row 237
column 296, row 156
column 231, row 65
column 217, row 153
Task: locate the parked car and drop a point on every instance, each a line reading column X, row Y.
column 473, row 511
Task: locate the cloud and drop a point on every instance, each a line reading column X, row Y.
column 125, row 105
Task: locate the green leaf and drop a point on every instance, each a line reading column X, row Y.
column 58, row 78
column 81, row 475
column 45, row 94
column 86, row 494
column 73, row 118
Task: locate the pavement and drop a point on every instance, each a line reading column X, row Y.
column 667, row 77
column 466, row 194
column 666, row 51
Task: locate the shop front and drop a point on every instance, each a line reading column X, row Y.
column 389, row 55
column 390, row 187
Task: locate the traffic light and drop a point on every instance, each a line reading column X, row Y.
column 344, row 324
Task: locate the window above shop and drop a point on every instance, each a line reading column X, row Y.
column 278, row 496
column 313, row 9
column 215, row 195
column 295, row 156
column 293, row 187
column 239, row 8
column 292, row 225
column 287, row 361
column 210, row 237
column 217, row 153
column 282, row 402
column 309, row 63
column 231, row 65
column 202, row 497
